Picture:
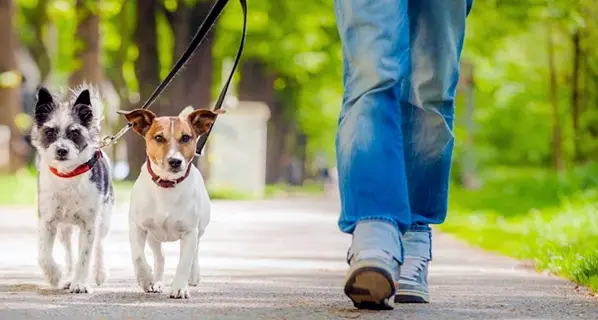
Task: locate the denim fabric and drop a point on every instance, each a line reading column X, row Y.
column 376, row 234
column 394, row 142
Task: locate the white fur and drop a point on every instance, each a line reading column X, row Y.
column 67, row 202
column 64, row 203
column 164, row 215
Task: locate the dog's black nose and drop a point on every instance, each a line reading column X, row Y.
column 175, row 163
column 61, row 152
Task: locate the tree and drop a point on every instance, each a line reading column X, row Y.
column 556, row 117
column 575, row 91
column 297, row 44
column 193, row 86
column 86, row 67
column 10, row 79
column 257, row 84
column 147, row 70
column 35, row 16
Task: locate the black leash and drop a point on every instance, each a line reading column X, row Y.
column 202, row 140
column 199, row 36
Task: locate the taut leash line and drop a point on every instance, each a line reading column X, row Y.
column 202, row 140
column 199, row 36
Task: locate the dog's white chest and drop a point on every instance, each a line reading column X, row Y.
column 70, row 201
column 168, row 214
column 167, row 227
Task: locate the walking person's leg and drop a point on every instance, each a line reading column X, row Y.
column 370, row 156
column 437, row 29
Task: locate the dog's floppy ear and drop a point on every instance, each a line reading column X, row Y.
column 44, row 106
column 202, row 120
column 82, row 108
column 141, row 119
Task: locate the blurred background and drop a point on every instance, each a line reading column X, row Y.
column 525, row 177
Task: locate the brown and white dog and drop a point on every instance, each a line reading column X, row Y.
column 169, row 200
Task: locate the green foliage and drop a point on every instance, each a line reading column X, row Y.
column 507, row 43
column 299, row 42
column 532, row 214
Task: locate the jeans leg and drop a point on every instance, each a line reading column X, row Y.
column 369, row 143
column 437, row 29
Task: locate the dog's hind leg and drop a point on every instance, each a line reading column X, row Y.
column 99, row 267
column 66, row 236
column 194, row 275
column 156, row 247
column 87, row 236
column 180, row 285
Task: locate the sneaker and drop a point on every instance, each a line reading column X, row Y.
column 371, row 278
column 413, row 282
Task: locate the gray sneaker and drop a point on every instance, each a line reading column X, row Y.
column 371, row 279
column 413, row 282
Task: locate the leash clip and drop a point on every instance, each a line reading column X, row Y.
column 111, row 140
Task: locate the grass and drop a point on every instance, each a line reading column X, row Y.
column 20, row 190
column 281, row 190
column 533, row 214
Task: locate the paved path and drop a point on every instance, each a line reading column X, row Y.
column 279, row 259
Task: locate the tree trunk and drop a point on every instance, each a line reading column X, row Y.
column 87, row 68
column 147, row 70
column 556, row 126
column 257, row 84
column 115, row 72
column 179, row 23
column 575, row 101
column 10, row 99
column 199, row 73
column 37, row 18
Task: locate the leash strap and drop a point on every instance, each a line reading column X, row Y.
column 202, row 140
column 199, row 36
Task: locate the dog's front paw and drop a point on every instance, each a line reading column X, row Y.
column 149, row 286
column 156, row 287
column 179, row 292
column 79, row 288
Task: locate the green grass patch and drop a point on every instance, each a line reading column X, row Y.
column 534, row 214
column 309, row 188
column 20, row 189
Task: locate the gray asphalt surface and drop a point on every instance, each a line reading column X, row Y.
column 280, row 259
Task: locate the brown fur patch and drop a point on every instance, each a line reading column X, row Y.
column 157, row 139
column 161, row 138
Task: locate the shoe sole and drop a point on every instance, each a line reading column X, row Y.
column 411, row 296
column 370, row 288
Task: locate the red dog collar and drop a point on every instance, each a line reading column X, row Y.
column 80, row 169
column 166, row 183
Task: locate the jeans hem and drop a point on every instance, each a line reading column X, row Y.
column 381, row 219
column 377, row 233
column 420, row 228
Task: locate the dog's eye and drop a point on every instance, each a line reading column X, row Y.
column 50, row 133
column 185, row 138
column 73, row 133
column 159, row 139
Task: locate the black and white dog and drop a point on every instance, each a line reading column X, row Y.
column 74, row 183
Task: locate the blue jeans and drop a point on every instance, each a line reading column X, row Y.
column 394, row 142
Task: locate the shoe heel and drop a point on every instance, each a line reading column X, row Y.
column 371, row 288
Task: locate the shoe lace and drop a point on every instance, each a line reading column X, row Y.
column 412, row 267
